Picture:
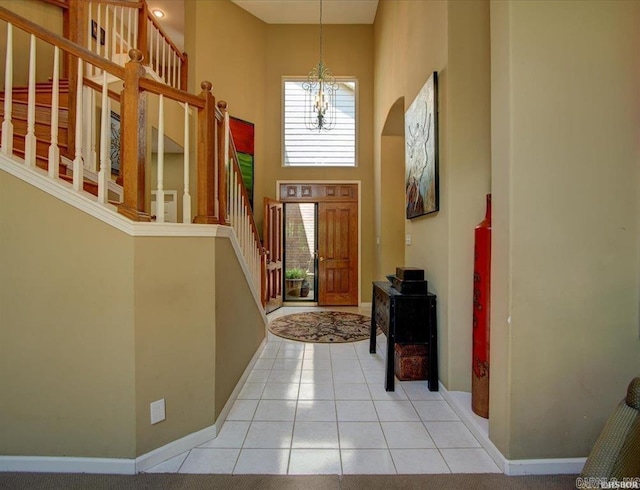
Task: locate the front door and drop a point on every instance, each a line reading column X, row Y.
column 272, row 232
column 338, row 253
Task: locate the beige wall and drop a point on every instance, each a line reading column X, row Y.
column 566, row 182
column 66, row 337
column 240, row 326
column 97, row 324
column 412, row 40
column 175, row 298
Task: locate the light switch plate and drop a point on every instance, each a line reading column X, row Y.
column 407, row 239
column 157, row 411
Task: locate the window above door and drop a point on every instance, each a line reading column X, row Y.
column 304, row 147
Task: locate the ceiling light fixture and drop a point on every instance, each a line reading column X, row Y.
column 320, row 94
column 158, row 13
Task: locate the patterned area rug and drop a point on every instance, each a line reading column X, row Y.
column 322, row 326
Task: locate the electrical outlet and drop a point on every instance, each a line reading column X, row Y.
column 407, row 239
column 157, row 411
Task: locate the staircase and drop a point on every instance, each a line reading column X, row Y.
column 67, row 133
column 43, row 98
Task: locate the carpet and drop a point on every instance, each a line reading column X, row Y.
column 146, row 481
column 322, row 327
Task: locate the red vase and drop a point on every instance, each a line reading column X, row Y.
column 481, row 312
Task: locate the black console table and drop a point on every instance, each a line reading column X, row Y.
column 405, row 319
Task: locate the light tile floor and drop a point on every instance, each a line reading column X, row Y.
column 322, row 409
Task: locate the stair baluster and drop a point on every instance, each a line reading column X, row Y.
column 54, row 150
column 78, row 166
column 105, row 145
column 7, row 125
column 30, row 138
column 186, row 197
column 160, row 190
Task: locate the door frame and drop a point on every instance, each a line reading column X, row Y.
column 358, row 184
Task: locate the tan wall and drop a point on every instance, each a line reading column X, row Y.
column 566, row 181
column 66, row 337
column 239, row 325
column 391, row 249
column 175, row 286
column 412, row 40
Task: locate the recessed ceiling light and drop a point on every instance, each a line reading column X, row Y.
column 158, row 13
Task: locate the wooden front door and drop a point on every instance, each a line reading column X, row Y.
column 272, row 233
column 338, row 253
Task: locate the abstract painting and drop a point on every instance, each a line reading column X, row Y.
column 421, row 151
column 243, row 137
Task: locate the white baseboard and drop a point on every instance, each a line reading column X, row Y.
column 53, row 464
column 479, row 427
column 196, row 439
column 117, row 466
column 175, row 448
column 557, row 466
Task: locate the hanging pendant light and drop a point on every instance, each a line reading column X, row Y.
column 320, row 94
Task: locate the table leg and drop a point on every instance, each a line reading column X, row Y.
column 372, row 335
column 389, row 384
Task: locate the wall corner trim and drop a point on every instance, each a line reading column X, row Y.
column 461, row 404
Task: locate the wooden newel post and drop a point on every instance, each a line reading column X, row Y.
column 223, row 161
column 184, row 72
column 206, row 158
column 133, row 141
column 143, row 44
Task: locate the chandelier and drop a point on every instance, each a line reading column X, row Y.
column 320, row 94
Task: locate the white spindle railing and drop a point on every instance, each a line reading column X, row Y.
column 240, row 213
column 78, row 165
column 117, row 27
column 164, row 59
column 186, row 197
column 7, row 125
column 30, row 138
column 105, row 144
column 160, row 189
column 84, row 93
column 54, row 150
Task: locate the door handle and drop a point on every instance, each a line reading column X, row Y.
column 321, row 259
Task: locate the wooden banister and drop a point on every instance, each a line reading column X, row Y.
column 64, row 44
column 133, row 140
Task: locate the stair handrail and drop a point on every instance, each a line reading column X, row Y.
column 160, row 53
column 132, row 118
column 241, row 215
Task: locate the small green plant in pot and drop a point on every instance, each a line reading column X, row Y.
column 293, row 281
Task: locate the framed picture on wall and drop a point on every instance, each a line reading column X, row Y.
column 243, row 137
column 421, row 152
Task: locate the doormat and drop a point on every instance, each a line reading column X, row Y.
column 322, row 327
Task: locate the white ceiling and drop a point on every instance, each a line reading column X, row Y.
column 308, row 11
column 275, row 12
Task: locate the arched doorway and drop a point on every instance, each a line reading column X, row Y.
column 391, row 211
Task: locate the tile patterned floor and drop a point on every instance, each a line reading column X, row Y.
column 322, row 409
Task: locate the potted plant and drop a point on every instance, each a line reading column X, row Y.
column 293, row 280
